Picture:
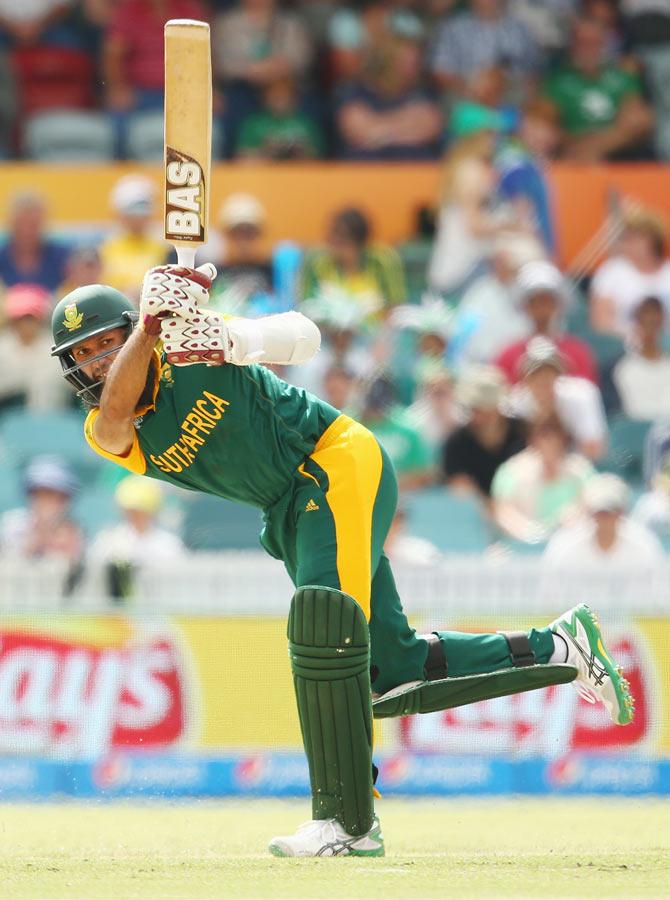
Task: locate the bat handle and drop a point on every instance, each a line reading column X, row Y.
column 186, row 256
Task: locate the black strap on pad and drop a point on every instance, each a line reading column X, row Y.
column 436, row 662
column 519, row 648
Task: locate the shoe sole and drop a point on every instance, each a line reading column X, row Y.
column 624, row 698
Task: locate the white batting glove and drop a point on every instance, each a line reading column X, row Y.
column 199, row 339
column 173, row 291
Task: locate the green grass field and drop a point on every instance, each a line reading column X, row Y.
column 435, row 849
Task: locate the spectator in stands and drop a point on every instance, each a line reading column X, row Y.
column 548, row 22
column 542, row 292
column 128, row 254
column 345, row 343
column 132, row 57
column 468, row 218
column 546, row 391
column 8, row 104
column 245, row 269
column 607, row 536
column 351, row 262
column 484, row 36
column 540, row 488
column 433, row 412
column 386, row 114
column 642, row 376
column 473, row 453
column 488, row 317
column 26, row 24
column 354, row 33
column 254, row 45
column 28, row 370
column 138, row 541
column 639, row 269
column 44, row 527
column 652, row 510
column 29, row 256
column 602, row 113
column 84, row 266
column 339, row 388
column 648, row 31
column 403, row 548
column 431, row 321
column 403, row 443
column 279, row 130
column 521, row 166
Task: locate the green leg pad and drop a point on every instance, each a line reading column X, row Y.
column 329, row 646
column 445, row 693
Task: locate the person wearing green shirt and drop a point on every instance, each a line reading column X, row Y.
column 200, row 410
column 279, row 130
column 601, row 110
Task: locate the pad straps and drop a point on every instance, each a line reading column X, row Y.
column 519, row 648
column 436, row 662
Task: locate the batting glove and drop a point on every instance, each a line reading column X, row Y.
column 199, row 339
column 173, row 291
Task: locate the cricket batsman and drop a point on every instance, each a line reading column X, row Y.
column 178, row 394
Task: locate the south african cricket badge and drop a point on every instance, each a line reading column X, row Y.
column 73, row 318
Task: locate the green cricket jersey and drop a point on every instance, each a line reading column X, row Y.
column 587, row 104
column 238, row 432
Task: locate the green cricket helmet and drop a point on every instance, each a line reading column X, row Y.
column 85, row 313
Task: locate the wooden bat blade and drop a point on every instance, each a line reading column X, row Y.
column 188, row 135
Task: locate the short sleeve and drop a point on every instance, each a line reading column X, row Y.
column 133, row 460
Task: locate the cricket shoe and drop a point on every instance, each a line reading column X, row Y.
column 598, row 678
column 326, row 837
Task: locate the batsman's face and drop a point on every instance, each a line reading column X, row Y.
column 85, row 354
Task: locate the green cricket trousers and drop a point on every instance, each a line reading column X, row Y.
column 330, row 528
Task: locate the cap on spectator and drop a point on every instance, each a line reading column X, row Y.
column 469, row 118
column 139, row 494
column 26, row 199
column 540, row 276
column 540, row 353
column 27, row 300
column 482, row 387
column 605, row 493
column 242, row 209
column 133, row 195
column 52, row 474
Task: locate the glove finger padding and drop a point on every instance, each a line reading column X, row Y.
column 201, row 339
column 175, row 290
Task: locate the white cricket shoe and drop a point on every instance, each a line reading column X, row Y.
column 598, row 678
column 326, row 837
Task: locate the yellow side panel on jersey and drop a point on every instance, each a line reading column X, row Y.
column 133, row 460
column 350, row 456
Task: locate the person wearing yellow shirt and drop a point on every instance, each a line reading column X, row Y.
column 133, row 249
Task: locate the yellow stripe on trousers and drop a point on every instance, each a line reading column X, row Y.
column 350, row 456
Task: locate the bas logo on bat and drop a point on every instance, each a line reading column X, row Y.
column 184, row 197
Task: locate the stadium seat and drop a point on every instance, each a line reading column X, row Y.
column 453, row 522
column 25, row 435
column 626, row 447
column 69, row 136
column 211, row 523
column 144, row 137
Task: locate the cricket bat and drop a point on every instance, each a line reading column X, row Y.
column 188, row 136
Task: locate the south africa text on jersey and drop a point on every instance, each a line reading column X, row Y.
column 202, row 419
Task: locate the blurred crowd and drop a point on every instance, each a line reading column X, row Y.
column 363, row 80
column 508, row 392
